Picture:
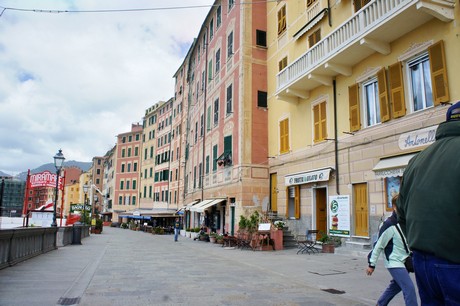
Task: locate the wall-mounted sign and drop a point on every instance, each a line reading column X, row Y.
column 320, row 175
column 417, row 138
column 339, row 215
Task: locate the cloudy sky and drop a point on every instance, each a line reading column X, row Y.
column 73, row 81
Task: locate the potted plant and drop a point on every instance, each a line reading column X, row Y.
column 213, row 237
column 279, row 224
column 329, row 243
column 99, row 226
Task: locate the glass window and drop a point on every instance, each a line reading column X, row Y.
column 371, row 98
column 420, row 80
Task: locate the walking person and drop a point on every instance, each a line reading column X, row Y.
column 392, row 243
column 176, row 229
column 428, row 211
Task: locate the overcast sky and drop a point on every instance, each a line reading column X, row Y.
column 73, row 81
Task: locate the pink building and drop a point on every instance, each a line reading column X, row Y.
column 226, row 168
column 127, row 171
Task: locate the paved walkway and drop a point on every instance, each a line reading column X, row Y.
column 124, row 267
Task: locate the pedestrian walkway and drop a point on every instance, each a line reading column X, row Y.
column 124, row 267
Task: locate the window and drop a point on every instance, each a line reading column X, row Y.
column 133, row 200
column 282, row 20
column 122, row 168
column 211, row 29
column 134, row 184
column 130, row 138
column 210, row 71
column 217, row 61
column 420, row 81
column 121, row 185
column 136, row 151
column 261, row 38
column 314, row 38
column 262, row 99
column 122, row 152
column 129, row 167
column 229, row 107
column 208, row 119
column 310, row 2
column 293, row 202
column 231, row 3
column 120, row 200
column 207, row 164
column 218, row 16
column 282, row 64
column 372, row 105
column 202, row 125
column 284, row 136
column 230, row 45
column 127, row 184
column 214, row 158
column 319, row 122
column 216, row 111
column 135, row 167
column 129, row 152
column 359, row 4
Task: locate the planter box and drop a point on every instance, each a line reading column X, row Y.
column 277, row 237
column 328, row 248
column 182, row 233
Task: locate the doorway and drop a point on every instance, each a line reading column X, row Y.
column 321, row 210
column 361, row 210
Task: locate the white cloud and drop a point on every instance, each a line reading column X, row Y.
column 73, row 81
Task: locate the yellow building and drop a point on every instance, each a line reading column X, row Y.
column 355, row 88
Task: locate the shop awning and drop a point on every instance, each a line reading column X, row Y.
column 197, row 206
column 135, row 217
column 310, row 24
column 202, row 208
column 189, row 205
column 392, row 166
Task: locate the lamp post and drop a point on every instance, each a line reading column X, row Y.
column 58, row 162
column 85, row 190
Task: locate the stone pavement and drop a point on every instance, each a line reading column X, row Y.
column 124, row 267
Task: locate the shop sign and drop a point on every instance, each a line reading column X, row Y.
column 44, row 179
column 339, row 215
column 417, row 138
column 307, row 177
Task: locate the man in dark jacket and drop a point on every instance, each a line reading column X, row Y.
column 429, row 214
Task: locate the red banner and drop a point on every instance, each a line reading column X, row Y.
column 45, row 179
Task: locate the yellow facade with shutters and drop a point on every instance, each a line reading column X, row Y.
column 353, row 89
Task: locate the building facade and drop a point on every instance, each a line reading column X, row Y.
column 354, row 91
column 226, row 157
column 126, row 189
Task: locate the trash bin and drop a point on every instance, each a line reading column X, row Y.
column 76, row 233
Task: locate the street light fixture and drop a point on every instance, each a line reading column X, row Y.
column 58, row 162
column 85, row 190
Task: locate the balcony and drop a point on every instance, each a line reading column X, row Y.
column 370, row 30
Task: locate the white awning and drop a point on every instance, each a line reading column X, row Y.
column 392, row 166
column 202, row 208
column 189, row 205
column 310, row 24
column 197, row 206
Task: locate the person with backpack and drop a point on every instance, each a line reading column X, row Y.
column 392, row 243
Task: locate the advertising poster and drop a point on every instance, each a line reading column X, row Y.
column 339, row 215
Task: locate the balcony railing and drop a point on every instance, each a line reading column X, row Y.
column 369, row 19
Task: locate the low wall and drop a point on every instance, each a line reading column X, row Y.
column 20, row 244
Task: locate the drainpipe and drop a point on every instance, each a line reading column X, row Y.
column 336, row 142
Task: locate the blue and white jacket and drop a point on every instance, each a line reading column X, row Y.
column 391, row 243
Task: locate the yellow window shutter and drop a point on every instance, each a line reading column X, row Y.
column 284, row 136
column 353, row 100
column 397, row 90
column 438, row 73
column 323, row 121
column 316, row 123
column 297, row 202
column 383, row 95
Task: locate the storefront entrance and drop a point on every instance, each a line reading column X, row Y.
column 321, row 212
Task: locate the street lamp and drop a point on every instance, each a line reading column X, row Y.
column 58, row 162
column 85, row 190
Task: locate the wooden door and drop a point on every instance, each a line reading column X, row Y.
column 273, row 193
column 361, row 215
column 321, row 212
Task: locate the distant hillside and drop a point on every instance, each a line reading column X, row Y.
column 3, row 174
column 50, row 167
